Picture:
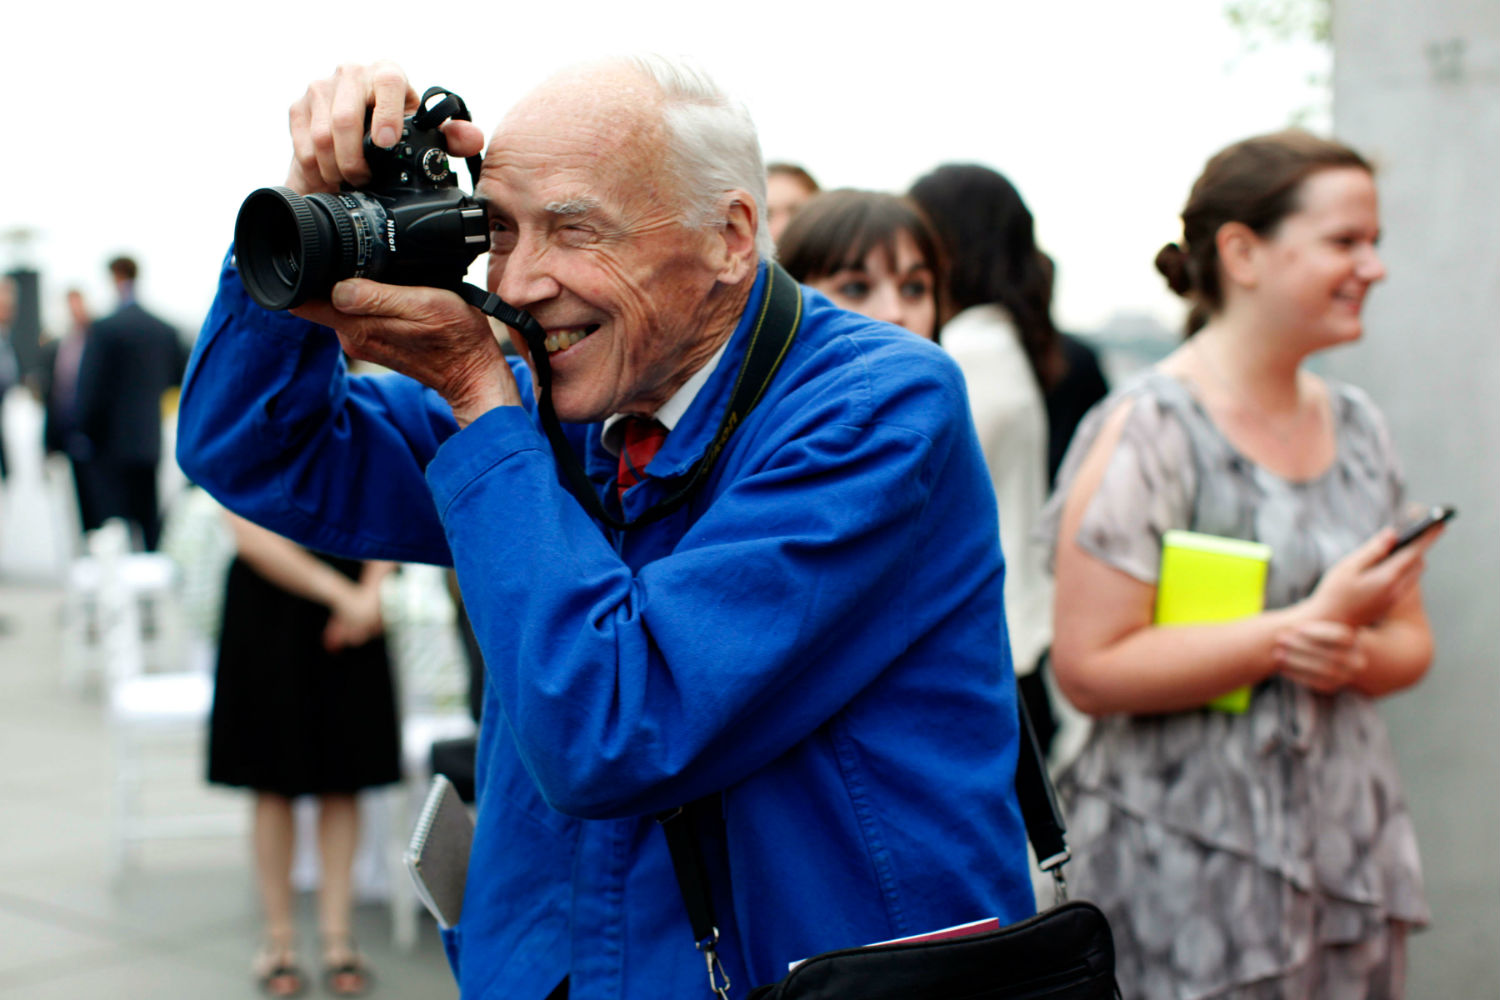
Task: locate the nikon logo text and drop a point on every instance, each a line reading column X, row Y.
column 390, row 234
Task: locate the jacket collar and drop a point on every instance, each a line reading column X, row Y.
column 697, row 415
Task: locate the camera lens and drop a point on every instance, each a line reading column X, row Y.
column 290, row 248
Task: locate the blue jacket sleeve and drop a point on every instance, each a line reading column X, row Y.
column 630, row 691
column 274, row 427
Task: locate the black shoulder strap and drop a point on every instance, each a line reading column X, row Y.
column 775, row 327
column 1044, row 827
column 1044, row 821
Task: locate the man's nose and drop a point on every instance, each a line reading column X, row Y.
column 1372, row 268
column 525, row 277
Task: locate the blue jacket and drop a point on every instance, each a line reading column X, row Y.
column 817, row 637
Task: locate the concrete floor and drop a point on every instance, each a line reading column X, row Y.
column 182, row 921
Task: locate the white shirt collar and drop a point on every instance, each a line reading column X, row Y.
column 672, row 410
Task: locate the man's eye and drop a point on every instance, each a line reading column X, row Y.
column 502, row 237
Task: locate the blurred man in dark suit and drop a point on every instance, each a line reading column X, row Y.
column 130, row 360
column 57, row 385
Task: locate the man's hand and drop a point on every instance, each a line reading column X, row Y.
column 328, row 126
column 429, row 334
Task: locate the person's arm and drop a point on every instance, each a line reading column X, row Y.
column 271, row 424
column 361, row 619
column 1109, row 657
column 353, row 605
column 1106, row 655
column 1398, row 650
column 269, row 421
column 289, row 566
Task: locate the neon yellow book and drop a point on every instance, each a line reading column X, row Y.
column 1206, row 579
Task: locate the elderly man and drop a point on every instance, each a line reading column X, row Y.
column 814, row 643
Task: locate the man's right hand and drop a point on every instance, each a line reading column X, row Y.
column 429, row 334
column 328, row 126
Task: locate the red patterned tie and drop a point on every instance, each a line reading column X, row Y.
column 642, row 440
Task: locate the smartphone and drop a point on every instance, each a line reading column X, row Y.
column 1416, row 529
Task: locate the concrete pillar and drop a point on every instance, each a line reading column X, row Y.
column 1417, row 88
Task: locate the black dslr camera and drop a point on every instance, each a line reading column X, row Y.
column 411, row 225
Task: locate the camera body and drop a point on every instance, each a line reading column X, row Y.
column 411, row 225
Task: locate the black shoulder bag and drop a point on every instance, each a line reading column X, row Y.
column 1064, row 953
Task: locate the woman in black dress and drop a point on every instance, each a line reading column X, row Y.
column 304, row 704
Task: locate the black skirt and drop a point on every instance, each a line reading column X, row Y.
column 288, row 716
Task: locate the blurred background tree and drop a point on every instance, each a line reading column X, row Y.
column 1298, row 29
column 1282, row 21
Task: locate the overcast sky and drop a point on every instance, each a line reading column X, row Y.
column 157, row 118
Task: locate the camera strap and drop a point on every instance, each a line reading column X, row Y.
column 770, row 338
column 431, row 115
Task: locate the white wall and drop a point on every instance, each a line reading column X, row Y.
column 1417, row 86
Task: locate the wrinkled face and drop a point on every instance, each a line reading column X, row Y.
column 784, row 196
column 1316, row 267
column 586, row 236
column 893, row 283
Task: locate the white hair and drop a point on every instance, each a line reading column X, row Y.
column 712, row 146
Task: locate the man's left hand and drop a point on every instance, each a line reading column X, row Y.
column 427, row 333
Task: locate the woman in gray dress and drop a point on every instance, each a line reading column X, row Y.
column 1270, row 853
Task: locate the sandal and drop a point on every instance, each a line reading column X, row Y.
column 278, row 974
column 347, row 975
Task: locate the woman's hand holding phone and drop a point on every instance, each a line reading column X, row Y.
column 1362, row 587
column 1415, row 529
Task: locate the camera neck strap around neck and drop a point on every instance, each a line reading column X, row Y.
column 771, row 336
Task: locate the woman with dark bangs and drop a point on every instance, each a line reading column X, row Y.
column 871, row 253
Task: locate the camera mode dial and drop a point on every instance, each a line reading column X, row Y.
column 435, row 165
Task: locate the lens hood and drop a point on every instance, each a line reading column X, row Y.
column 286, row 248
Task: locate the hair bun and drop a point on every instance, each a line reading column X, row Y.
column 1172, row 262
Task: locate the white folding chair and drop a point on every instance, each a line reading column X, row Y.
column 158, row 690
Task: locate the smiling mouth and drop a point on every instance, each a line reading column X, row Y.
column 561, row 340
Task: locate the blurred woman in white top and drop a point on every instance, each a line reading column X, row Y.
column 999, row 329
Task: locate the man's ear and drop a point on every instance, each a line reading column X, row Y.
column 735, row 258
column 1239, row 247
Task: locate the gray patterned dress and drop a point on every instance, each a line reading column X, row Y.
column 1268, row 854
